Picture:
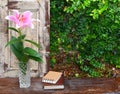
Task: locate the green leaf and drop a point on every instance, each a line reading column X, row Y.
column 22, row 37
column 16, row 52
column 118, row 66
column 32, row 42
column 25, row 58
column 31, row 52
column 35, row 58
column 14, row 29
column 17, row 47
column 17, row 43
column 34, row 55
column 11, row 42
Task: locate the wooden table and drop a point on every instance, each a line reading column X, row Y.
column 73, row 86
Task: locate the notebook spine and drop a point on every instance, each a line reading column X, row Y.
column 54, row 87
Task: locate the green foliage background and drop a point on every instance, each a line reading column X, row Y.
column 89, row 27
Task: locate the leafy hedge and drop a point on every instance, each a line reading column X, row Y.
column 89, row 27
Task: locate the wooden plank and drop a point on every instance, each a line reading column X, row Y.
column 24, row 0
column 44, row 36
column 11, row 86
column 3, row 39
column 23, row 5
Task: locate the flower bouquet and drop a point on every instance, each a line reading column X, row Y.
column 22, row 53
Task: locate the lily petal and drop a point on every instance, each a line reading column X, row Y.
column 11, row 18
column 21, row 19
column 27, row 14
column 16, row 13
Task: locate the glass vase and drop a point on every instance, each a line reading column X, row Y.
column 24, row 75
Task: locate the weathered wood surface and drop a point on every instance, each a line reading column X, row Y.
column 3, row 37
column 74, row 86
column 40, row 34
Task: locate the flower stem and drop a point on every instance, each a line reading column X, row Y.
column 19, row 32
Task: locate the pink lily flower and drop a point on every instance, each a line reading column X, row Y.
column 21, row 20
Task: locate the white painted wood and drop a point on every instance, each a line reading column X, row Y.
column 44, row 36
column 3, row 38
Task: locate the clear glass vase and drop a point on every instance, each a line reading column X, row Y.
column 24, row 75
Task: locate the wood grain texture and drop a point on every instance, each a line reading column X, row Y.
column 3, row 37
column 73, row 86
column 43, row 36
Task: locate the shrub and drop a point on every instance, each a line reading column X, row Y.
column 91, row 28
